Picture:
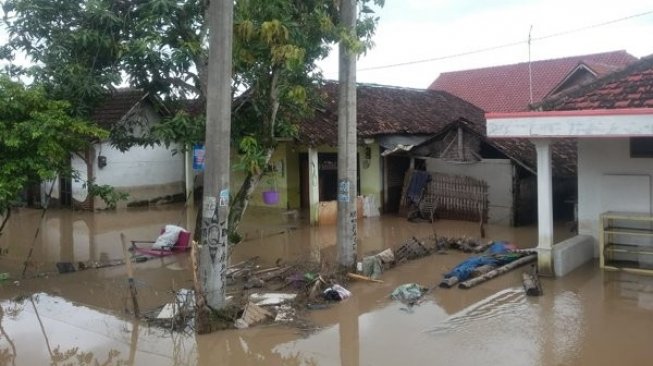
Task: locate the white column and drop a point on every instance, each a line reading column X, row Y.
column 313, row 185
column 544, row 205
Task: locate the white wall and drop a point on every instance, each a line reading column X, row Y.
column 138, row 171
column 497, row 173
column 139, row 166
column 608, row 179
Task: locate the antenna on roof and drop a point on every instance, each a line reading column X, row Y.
column 530, row 70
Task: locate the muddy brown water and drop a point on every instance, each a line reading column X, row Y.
column 589, row 317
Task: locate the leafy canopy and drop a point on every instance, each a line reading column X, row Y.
column 37, row 137
column 80, row 49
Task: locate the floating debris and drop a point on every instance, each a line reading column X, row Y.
column 251, row 315
column 408, row 293
column 271, row 298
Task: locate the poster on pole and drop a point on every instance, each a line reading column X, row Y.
column 199, row 152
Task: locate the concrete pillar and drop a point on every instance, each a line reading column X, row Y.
column 544, row 206
column 313, row 185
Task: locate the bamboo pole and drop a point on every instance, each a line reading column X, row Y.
column 449, row 282
column 499, row 271
column 481, row 270
column 363, row 278
column 130, row 275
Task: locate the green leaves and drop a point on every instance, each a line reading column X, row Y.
column 252, row 156
column 37, row 138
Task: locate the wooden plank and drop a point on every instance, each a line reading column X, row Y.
column 130, row 274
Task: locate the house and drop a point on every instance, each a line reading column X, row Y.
column 401, row 129
column 513, row 88
column 147, row 174
column 612, row 121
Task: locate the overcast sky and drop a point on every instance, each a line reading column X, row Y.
column 413, row 30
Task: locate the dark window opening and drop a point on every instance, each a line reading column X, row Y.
column 641, row 147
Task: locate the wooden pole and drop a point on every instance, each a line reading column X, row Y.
column 531, row 282
column 362, row 278
column 130, row 275
column 499, row 271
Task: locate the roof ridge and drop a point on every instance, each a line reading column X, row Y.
column 578, row 90
column 570, row 58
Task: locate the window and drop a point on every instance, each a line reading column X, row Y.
column 641, row 147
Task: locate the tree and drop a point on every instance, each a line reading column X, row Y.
column 161, row 46
column 37, row 138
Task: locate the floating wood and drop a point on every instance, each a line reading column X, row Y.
column 412, row 249
column 531, row 283
column 316, row 289
column 483, row 247
column 362, row 278
column 449, row 282
column 259, row 272
column 481, row 270
column 498, row 271
column 251, row 315
column 243, row 263
column 130, row 274
column 272, row 274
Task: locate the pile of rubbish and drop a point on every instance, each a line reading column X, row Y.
column 282, row 292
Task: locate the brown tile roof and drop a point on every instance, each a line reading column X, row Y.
column 385, row 110
column 630, row 87
column 506, row 88
column 115, row 106
column 563, row 154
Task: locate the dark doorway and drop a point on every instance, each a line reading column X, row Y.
column 327, row 177
column 396, row 167
column 65, row 192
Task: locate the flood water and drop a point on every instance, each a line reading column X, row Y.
column 590, row 317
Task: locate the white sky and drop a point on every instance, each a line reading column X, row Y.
column 411, row 30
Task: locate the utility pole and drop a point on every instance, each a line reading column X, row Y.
column 210, row 281
column 347, row 168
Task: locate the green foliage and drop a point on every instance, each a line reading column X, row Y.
column 182, row 128
column 252, row 157
column 37, row 138
column 81, row 48
column 107, row 193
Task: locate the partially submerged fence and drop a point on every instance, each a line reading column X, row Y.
column 452, row 197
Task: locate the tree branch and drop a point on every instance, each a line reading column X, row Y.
column 274, row 100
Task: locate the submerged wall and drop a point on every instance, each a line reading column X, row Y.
column 497, row 173
column 610, row 180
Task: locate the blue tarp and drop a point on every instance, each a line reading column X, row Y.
column 418, row 181
column 496, row 255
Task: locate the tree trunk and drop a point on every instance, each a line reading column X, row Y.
column 5, row 219
column 241, row 199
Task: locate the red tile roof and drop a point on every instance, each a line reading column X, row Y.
column 384, row 110
column 631, row 87
column 506, row 88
